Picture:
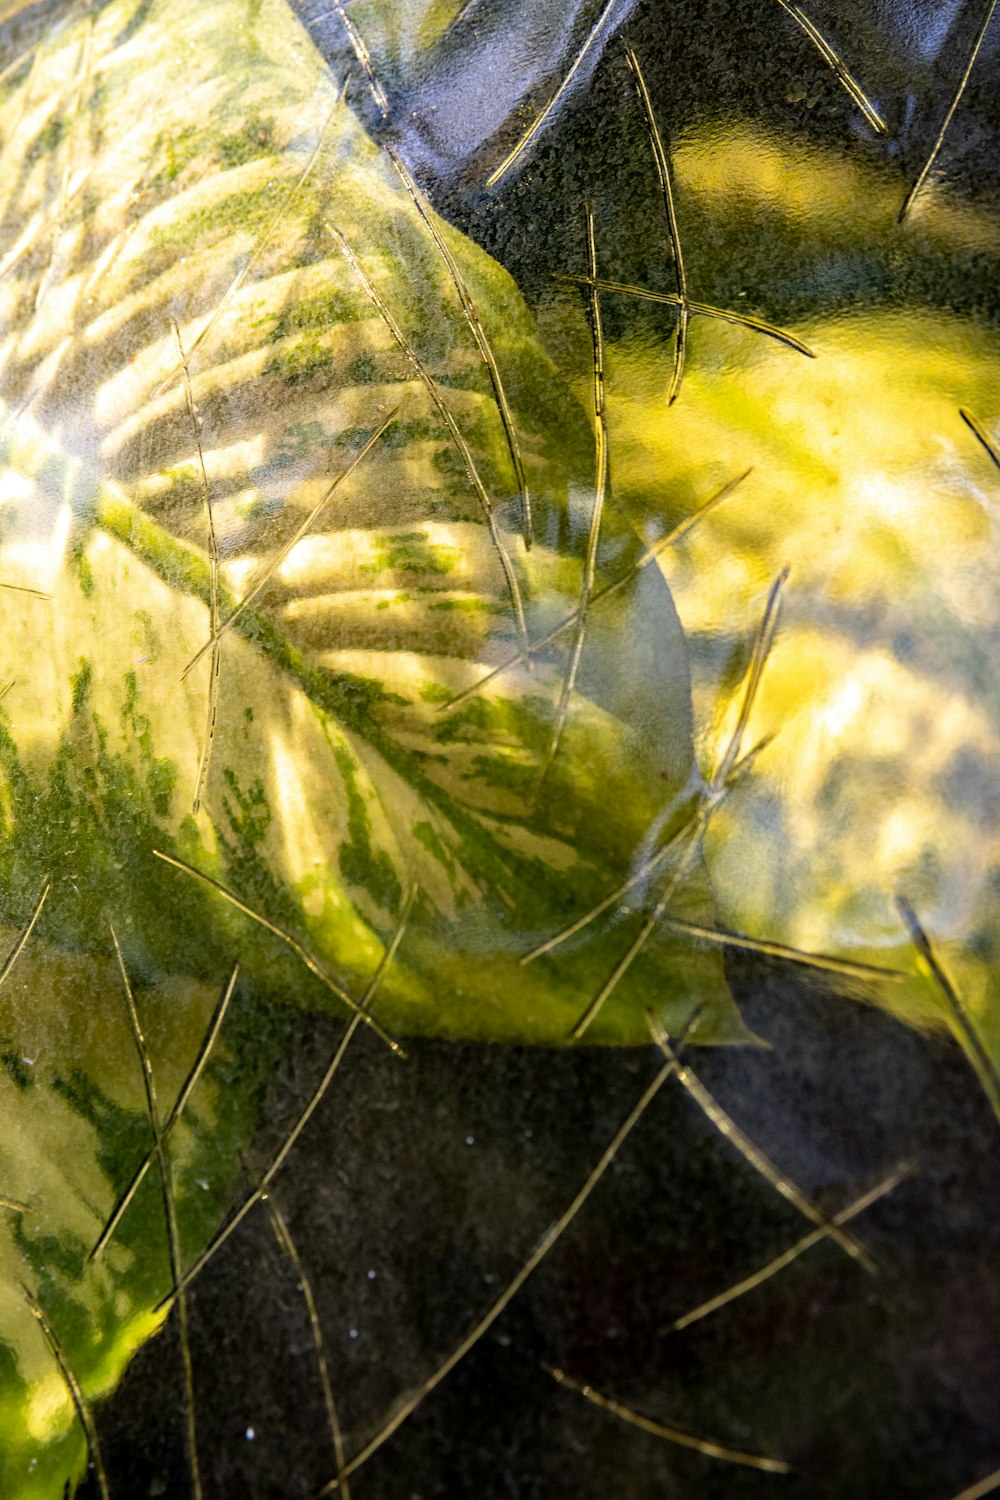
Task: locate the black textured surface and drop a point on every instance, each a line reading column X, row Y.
column 439, row 1175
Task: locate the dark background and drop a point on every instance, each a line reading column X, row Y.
column 869, row 1386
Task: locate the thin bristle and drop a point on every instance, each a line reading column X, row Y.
column 271, row 566
column 195, row 1072
column 753, row 1155
column 649, row 926
column 306, row 1114
column 979, row 431
column 986, row 1069
column 266, row 236
column 300, row 951
column 444, row 411
column 542, row 119
column 705, row 1447
column 763, row 642
column 673, row 228
column 481, row 338
column 18, row 588
column 678, row 534
column 24, row 934
column 984, row 1487
column 80, row 1403
column 779, row 1263
column 552, row 1235
column 602, row 479
column 928, row 166
column 699, row 309
column 170, row 1217
column 360, row 49
column 826, row 962
column 284, row 1237
column 838, row 67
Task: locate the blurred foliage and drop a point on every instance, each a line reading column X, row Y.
column 882, row 772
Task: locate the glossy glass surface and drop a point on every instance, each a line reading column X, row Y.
column 499, row 558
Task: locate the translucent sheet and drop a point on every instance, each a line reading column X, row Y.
column 499, row 557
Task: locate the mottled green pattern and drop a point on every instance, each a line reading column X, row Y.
column 882, row 775
column 216, row 210
column 179, row 171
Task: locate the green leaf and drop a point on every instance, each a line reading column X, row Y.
column 209, row 421
column 879, row 699
column 224, row 296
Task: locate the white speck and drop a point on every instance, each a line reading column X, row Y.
column 371, row 1275
column 202, row 1183
column 353, row 1333
column 250, row 1434
column 470, row 1140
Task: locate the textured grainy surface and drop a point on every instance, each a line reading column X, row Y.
column 869, row 1386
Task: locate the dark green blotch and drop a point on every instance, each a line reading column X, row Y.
column 359, row 864
column 255, row 139
column 20, row 1074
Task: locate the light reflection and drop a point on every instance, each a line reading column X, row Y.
column 884, row 770
column 50, row 1409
